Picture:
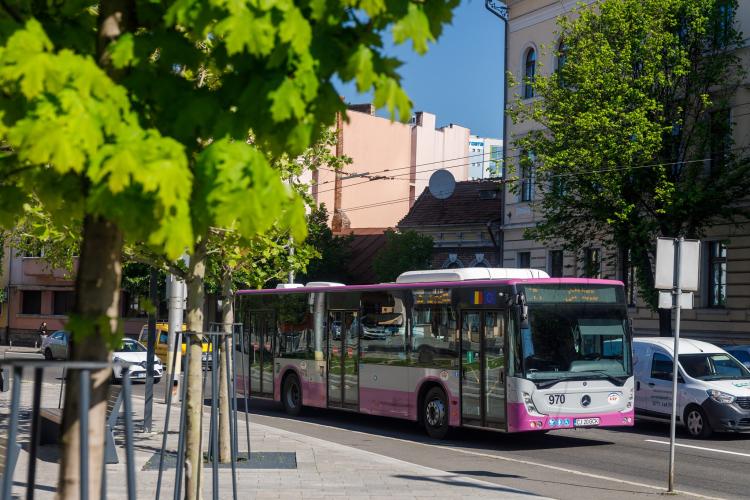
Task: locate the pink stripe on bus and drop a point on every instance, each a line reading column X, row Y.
column 519, row 419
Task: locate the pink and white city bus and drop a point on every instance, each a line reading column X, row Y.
column 501, row 349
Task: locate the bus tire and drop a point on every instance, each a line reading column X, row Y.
column 435, row 413
column 291, row 395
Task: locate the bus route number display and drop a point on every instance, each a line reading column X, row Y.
column 436, row 296
column 575, row 295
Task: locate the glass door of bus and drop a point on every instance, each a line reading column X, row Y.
column 343, row 359
column 482, row 368
column 263, row 326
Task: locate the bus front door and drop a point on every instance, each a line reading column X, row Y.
column 482, row 369
column 263, row 325
column 343, row 359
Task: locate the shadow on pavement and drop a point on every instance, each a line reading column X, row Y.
column 457, row 482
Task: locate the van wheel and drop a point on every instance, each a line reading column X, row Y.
column 435, row 413
column 697, row 423
column 291, row 395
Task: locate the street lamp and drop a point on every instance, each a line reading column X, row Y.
column 501, row 11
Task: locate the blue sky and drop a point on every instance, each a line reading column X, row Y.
column 460, row 78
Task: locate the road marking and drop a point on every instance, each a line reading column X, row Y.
column 515, row 460
column 715, row 450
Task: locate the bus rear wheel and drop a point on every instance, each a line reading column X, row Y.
column 291, row 395
column 435, row 413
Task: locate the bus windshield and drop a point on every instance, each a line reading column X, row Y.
column 568, row 341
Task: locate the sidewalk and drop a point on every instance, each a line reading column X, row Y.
column 324, row 469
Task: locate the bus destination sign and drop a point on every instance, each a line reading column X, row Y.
column 573, row 295
column 433, row 296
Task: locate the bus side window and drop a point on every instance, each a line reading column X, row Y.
column 383, row 328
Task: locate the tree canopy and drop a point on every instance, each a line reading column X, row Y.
column 634, row 138
column 407, row 251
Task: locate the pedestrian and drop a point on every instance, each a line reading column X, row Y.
column 42, row 332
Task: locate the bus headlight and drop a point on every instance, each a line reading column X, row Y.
column 529, row 403
column 720, row 397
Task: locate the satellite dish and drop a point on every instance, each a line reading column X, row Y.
column 442, row 184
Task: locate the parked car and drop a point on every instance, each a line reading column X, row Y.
column 133, row 354
column 741, row 352
column 55, row 346
column 713, row 387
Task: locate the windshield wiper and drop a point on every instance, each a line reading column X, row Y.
column 618, row 381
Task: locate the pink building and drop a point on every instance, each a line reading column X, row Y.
column 392, row 162
column 36, row 294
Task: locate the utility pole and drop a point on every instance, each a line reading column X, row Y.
column 337, row 224
column 501, row 12
column 151, row 347
column 176, row 304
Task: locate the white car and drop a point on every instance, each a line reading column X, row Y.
column 133, row 354
column 55, row 345
column 713, row 387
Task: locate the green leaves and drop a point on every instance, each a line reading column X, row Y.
column 414, row 26
column 238, row 189
column 624, row 126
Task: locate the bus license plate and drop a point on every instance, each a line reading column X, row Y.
column 585, row 421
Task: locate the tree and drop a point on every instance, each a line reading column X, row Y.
column 332, row 250
column 634, row 139
column 146, row 108
column 407, row 251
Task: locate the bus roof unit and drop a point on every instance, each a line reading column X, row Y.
column 469, row 273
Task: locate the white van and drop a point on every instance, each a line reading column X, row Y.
column 713, row 387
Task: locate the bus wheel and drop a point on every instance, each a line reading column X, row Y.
column 435, row 413
column 291, row 395
column 697, row 423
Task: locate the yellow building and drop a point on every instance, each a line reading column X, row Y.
column 726, row 249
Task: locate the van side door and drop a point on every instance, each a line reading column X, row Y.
column 659, row 402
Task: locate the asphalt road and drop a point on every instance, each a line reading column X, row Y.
column 569, row 464
column 566, row 464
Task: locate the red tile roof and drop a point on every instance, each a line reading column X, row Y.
column 472, row 202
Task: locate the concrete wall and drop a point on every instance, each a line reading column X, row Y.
column 438, row 148
column 405, row 154
column 374, row 144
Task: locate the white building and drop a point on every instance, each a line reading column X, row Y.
column 485, row 157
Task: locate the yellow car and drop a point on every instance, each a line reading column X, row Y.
column 162, row 341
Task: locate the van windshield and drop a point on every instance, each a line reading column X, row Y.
column 713, row 366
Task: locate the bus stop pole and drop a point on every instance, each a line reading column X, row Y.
column 676, row 305
column 150, row 348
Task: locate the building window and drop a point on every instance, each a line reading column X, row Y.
column 592, row 263
column 62, row 302
column 723, row 20
column 717, row 274
column 556, row 263
column 527, row 175
column 31, row 302
column 720, row 137
column 524, row 260
column 529, row 74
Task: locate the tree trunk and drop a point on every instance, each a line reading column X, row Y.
column 97, row 297
column 227, row 317
column 194, row 398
